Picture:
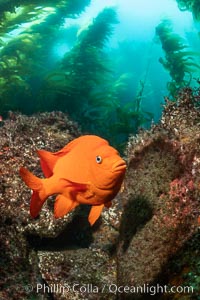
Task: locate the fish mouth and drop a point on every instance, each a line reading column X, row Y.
column 119, row 166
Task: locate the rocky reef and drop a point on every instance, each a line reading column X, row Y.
column 161, row 204
column 148, row 239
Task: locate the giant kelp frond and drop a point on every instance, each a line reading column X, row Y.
column 75, row 7
column 191, row 5
column 13, row 15
column 25, row 31
column 185, row 4
column 170, row 41
column 66, row 9
column 10, row 8
column 84, row 68
column 196, row 10
column 100, row 30
column 179, row 61
column 85, row 85
column 85, row 61
column 84, row 82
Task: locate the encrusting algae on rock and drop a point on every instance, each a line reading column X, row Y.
column 150, row 235
column 164, row 165
column 20, row 137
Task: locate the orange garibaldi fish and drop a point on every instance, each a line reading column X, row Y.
column 86, row 171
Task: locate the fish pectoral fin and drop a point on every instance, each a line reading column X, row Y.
column 76, row 186
column 63, row 206
column 95, row 213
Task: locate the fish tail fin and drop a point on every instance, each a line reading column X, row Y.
column 38, row 196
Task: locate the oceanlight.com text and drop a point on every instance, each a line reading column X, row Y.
column 108, row 288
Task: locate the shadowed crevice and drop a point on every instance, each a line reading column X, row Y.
column 136, row 214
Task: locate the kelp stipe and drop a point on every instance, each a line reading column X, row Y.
column 179, row 61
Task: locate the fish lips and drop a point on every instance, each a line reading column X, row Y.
column 119, row 166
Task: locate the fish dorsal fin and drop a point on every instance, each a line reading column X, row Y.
column 49, row 159
column 95, row 213
column 67, row 148
column 47, row 162
column 63, row 206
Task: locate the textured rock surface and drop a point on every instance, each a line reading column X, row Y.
column 149, row 236
column 20, row 137
column 38, row 253
column 161, row 196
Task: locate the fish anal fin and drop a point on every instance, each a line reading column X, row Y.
column 95, row 213
column 63, row 206
column 36, row 204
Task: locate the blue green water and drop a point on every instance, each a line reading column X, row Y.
column 107, row 64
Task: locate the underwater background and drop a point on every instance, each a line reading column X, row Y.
column 102, row 62
column 127, row 71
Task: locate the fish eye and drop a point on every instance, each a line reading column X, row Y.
column 98, row 159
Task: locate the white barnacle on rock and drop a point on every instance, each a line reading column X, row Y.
column 195, row 164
